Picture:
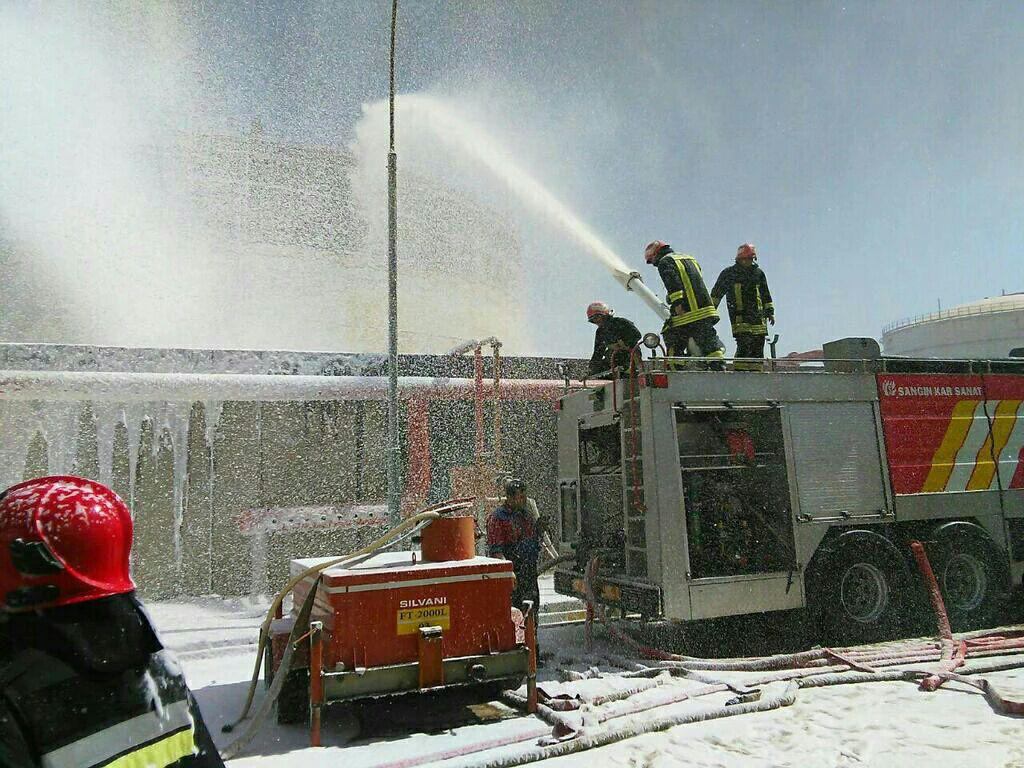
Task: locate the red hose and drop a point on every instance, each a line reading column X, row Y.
column 952, row 654
column 807, row 669
column 941, row 617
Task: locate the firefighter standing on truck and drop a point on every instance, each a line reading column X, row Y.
column 614, row 340
column 514, row 533
column 690, row 328
column 750, row 306
column 84, row 679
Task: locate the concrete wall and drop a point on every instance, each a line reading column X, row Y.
column 192, row 470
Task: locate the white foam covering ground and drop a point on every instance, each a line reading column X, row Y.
column 877, row 724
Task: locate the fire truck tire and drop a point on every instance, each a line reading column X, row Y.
column 293, row 701
column 858, row 589
column 968, row 567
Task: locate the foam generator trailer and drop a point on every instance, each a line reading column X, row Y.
column 403, row 621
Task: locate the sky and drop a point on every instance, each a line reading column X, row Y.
column 872, row 151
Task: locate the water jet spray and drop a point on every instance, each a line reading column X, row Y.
column 466, row 138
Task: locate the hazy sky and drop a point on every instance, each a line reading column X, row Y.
column 872, row 151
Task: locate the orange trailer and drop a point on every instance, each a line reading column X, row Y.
column 396, row 623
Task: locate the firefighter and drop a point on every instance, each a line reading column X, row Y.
column 614, row 340
column 84, row 679
column 514, row 533
column 750, row 306
column 691, row 327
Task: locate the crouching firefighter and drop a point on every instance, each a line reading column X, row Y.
column 613, row 342
column 690, row 328
column 84, row 679
column 750, row 307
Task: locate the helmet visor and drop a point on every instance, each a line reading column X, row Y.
column 34, row 558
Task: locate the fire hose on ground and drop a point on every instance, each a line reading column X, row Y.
column 818, row 665
column 579, row 741
column 809, row 669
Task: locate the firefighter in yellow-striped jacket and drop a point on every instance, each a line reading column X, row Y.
column 690, row 330
column 746, row 293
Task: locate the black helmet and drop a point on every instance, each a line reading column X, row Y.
column 514, row 486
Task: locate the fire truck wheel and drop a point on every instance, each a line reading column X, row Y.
column 857, row 592
column 967, row 567
column 293, row 701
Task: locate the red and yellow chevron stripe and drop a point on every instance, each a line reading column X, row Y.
column 953, row 433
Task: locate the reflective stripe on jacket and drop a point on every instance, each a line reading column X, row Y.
column 90, row 686
column 157, row 738
column 688, row 296
column 747, row 296
column 135, row 719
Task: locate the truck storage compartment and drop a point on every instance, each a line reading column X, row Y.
column 735, row 490
column 601, row 528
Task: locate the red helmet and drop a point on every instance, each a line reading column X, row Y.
column 598, row 308
column 746, row 251
column 652, row 250
column 63, row 540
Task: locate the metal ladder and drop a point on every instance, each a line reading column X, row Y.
column 634, row 499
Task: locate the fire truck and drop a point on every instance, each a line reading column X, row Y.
column 705, row 494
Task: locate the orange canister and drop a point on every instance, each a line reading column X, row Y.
column 449, row 538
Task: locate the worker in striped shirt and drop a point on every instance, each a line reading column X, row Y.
column 514, row 532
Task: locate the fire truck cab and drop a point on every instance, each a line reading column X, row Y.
column 706, row 494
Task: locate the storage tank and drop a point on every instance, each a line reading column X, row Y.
column 989, row 328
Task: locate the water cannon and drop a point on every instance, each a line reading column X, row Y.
column 632, row 281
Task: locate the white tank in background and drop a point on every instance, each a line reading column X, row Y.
column 989, row 328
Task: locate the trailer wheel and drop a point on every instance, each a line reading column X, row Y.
column 293, row 701
column 968, row 567
column 857, row 591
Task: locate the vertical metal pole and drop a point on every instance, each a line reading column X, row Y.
column 531, row 662
column 394, row 449
column 478, row 402
column 316, row 681
column 496, row 346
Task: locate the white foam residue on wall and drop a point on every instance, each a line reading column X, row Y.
column 107, row 416
column 213, row 409
column 176, row 418
column 133, row 414
column 17, row 428
column 58, row 423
